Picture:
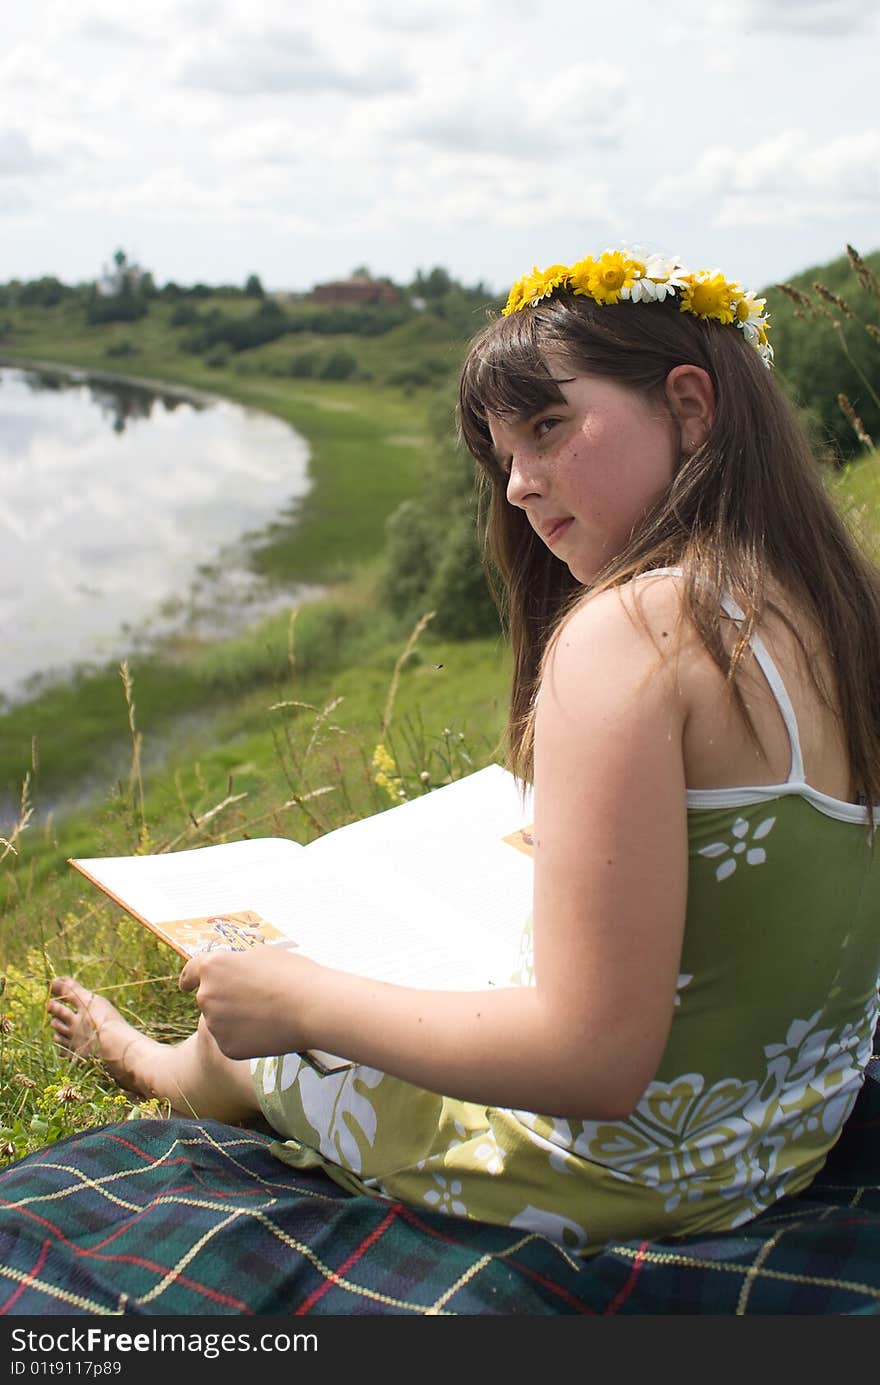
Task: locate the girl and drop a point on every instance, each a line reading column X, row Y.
column 700, row 970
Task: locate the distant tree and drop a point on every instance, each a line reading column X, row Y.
column 43, row 293
column 253, row 287
column 433, row 285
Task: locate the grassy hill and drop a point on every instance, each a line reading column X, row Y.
column 275, row 729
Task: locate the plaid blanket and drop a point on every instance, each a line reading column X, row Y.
column 195, row 1217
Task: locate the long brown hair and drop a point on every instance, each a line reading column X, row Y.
column 748, row 506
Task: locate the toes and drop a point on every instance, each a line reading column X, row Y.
column 67, row 989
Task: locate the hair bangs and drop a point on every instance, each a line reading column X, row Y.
column 505, row 375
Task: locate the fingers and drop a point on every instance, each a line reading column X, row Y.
column 190, row 976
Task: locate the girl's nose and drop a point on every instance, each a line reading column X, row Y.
column 523, row 482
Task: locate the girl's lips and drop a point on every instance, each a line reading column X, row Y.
column 555, row 529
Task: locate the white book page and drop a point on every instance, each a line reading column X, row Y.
column 448, row 849
column 206, row 880
column 443, row 872
column 410, row 937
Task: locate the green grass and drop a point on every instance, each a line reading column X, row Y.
column 294, row 760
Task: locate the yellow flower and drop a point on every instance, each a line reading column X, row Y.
column 531, row 288
column 580, row 276
column 386, row 776
column 542, row 282
column 709, row 295
column 611, row 274
column 516, row 298
column 382, row 761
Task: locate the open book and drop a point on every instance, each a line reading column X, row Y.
column 432, row 892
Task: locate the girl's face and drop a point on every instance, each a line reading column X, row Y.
column 586, row 471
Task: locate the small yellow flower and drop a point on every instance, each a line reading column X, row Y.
column 382, row 761
column 709, row 295
column 579, row 276
column 611, row 274
column 386, row 776
column 516, row 297
column 542, row 282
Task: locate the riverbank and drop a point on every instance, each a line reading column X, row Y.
column 202, row 705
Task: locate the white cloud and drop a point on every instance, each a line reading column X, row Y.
column 785, row 179
column 17, row 155
column 274, row 61
column 487, row 107
column 818, row 18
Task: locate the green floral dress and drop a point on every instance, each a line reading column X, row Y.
column 775, row 1009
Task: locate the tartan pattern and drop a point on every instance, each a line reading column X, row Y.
column 196, row 1217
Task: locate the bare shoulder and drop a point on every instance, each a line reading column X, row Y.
column 636, row 630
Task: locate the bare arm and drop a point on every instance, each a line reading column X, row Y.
column 609, row 905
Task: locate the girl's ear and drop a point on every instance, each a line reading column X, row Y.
column 691, row 398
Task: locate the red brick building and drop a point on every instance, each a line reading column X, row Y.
column 359, row 289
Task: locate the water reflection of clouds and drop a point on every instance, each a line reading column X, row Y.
column 107, row 529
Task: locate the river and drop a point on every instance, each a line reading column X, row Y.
column 128, row 515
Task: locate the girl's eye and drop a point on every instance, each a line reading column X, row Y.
column 544, row 425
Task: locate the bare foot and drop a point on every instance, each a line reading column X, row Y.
column 86, row 1025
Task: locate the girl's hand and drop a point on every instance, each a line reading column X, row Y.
column 253, row 1002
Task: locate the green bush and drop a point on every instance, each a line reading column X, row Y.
column 184, row 315
column 123, row 347
column 218, row 356
column 303, row 366
column 339, row 365
column 432, row 556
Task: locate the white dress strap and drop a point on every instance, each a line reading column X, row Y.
column 777, row 687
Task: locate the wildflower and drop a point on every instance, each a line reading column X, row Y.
column 610, row 275
column 23, row 1081
column 516, row 299
column 7, row 1024
column 7, row 1150
column 386, row 775
column 708, row 294
column 659, row 278
column 68, row 1094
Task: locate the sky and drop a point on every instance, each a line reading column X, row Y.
column 212, row 139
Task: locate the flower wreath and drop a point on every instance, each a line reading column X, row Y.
column 616, row 276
